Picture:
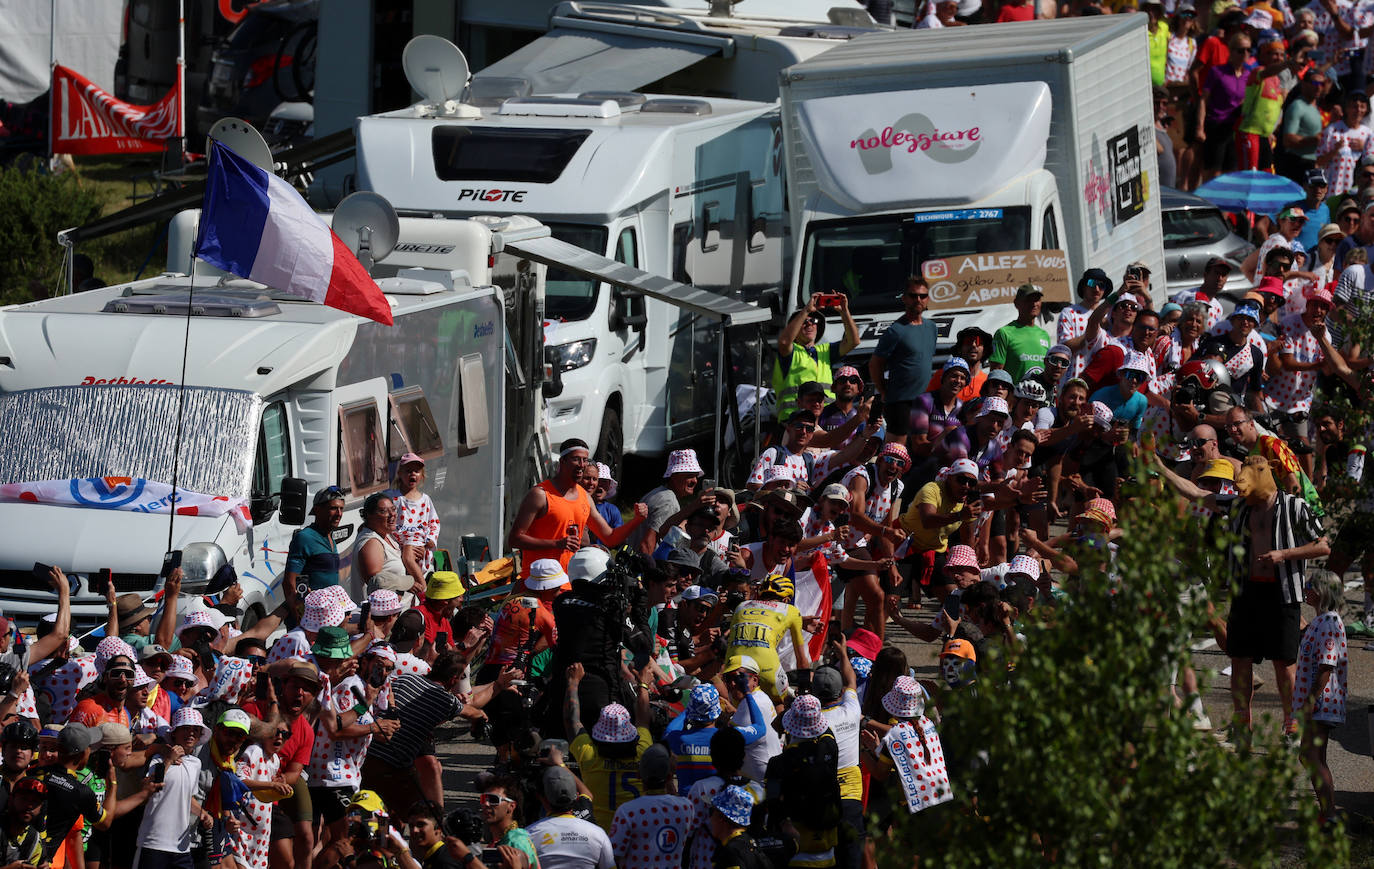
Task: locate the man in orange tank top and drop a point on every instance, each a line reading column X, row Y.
column 554, row 514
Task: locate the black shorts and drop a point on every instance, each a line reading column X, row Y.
column 1261, row 626
column 1218, row 152
column 897, row 417
column 1353, row 540
column 331, row 804
column 282, row 828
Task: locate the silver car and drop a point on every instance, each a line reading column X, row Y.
column 1195, row 231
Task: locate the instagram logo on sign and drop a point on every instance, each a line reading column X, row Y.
column 934, row 269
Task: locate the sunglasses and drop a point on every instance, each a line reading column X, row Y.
column 255, row 660
column 283, row 734
column 119, row 674
column 1132, row 376
column 1197, row 443
column 849, row 379
column 891, row 460
column 1057, row 361
column 181, row 683
column 918, row 295
column 491, row 801
column 1128, row 306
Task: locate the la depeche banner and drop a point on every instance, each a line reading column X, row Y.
column 88, row 120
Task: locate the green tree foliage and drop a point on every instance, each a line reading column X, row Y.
column 1076, row 754
column 34, row 206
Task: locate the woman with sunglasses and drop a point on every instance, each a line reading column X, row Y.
column 1126, row 399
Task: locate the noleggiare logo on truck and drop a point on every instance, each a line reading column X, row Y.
column 915, row 133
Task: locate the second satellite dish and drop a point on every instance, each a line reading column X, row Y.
column 242, row 139
column 367, row 225
column 435, row 68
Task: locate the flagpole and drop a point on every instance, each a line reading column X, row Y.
column 181, row 76
column 52, row 72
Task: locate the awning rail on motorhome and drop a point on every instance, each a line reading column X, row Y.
column 551, row 251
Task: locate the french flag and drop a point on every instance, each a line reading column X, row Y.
column 255, row 225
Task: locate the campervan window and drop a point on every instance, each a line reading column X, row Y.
column 273, row 462
column 871, row 258
column 362, row 458
column 474, row 427
column 568, row 296
column 91, row 432
column 413, row 428
column 1049, row 235
column 483, row 154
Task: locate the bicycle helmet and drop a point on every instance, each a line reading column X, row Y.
column 778, row 587
column 1031, row 389
column 1209, row 373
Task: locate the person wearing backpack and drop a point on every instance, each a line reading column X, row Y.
column 790, row 454
column 802, row 783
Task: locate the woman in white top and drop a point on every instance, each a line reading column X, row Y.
column 377, row 552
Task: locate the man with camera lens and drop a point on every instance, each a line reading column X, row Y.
column 508, row 845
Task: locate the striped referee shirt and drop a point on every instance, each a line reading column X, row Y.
column 421, row 705
column 1295, row 524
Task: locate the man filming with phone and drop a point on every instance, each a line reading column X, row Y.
column 803, row 357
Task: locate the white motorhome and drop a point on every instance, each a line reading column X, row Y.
column 279, row 394
column 920, row 145
column 689, row 188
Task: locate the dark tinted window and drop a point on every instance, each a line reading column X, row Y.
column 1184, row 227
column 478, row 154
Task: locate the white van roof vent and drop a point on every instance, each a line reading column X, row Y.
column 676, row 107
column 490, row 91
column 627, row 100
column 205, row 304
column 825, row 31
column 560, row 107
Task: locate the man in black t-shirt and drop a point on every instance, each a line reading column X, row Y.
column 68, row 800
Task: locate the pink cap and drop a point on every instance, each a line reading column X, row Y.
column 848, row 371
column 1319, row 294
column 1270, row 284
column 898, row 451
column 410, row 459
column 961, row 556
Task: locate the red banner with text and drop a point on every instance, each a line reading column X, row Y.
column 88, row 120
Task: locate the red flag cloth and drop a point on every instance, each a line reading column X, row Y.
column 88, row 120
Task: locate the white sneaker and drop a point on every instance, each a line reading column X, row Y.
column 1202, row 722
column 1226, row 671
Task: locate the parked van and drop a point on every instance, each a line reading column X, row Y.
column 688, row 188
column 266, row 394
column 910, row 147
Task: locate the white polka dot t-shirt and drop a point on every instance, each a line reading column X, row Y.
column 1323, row 644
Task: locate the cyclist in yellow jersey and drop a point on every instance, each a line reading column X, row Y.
column 609, row 756
column 758, row 626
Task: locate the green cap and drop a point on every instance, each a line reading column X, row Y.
column 332, row 642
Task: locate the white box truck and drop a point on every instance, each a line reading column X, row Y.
column 275, row 388
column 688, row 188
column 920, row 145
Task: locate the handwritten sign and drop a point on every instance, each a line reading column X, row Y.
column 985, row 279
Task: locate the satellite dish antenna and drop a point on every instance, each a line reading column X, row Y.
column 242, row 139
column 368, row 225
column 435, row 68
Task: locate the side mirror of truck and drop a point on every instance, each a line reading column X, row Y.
column 261, row 507
column 294, row 498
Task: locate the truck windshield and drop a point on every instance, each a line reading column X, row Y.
column 869, row 258
column 90, row 432
column 570, row 296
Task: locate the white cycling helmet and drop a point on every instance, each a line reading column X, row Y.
column 588, row 563
column 1032, row 389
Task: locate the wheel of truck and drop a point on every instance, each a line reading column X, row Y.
column 252, row 617
column 610, row 444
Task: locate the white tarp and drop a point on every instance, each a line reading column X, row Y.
column 87, row 41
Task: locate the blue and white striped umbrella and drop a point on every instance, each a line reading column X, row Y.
column 1254, row 191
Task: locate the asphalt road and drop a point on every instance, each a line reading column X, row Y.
column 1349, row 754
